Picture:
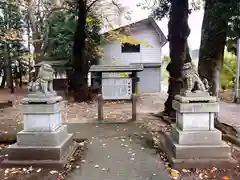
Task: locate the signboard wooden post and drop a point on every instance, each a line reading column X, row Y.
column 117, row 83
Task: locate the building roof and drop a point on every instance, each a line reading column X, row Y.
column 53, row 63
column 113, row 68
column 147, row 21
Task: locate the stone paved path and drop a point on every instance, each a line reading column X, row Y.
column 118, row 153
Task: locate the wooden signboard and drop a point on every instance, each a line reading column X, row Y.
column 118, row 82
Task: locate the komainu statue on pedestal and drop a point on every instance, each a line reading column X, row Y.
column 44, row 83
column 191, row 78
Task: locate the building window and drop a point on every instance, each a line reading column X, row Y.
column 130, row 48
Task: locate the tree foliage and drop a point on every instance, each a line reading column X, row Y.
column 218, row 26
column 233, row 32
column 161, row 8
column 11, row 43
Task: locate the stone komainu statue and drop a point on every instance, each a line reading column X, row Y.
column 44, row 83
column 192, row 79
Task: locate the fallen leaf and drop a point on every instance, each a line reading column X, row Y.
column 53, row 172
column 185, row 170
column 225, row 178
column 60, row 177
column 30, row 169
column 24, row 169
column 39, row 170
column 201, row 175
column 81, row 143
column 174, row 173
column 213, row 170
column 6, row 171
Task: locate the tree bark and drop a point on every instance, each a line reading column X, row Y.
column 178, row 32
column 3, row 83
column 78, row 79
column 36, row 36
column 9, row 73
column 213, row 40
column 20, row 74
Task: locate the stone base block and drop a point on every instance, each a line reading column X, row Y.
column 213, row 137
column 42, row 122
column 42, row 138
column 40, row 156
column 197, row 156
column 221, row 150
column 40, row 99
column 202, row 163
column 42, row 108
column 39, row 163
column 39, row 152
column 196, row 97
column 195, row 107
column 198, row 94
column 195, row 121
column 42, row 163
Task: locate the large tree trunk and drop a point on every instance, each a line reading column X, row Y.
column 213, row 40
column 78, row 80
column 178, row 32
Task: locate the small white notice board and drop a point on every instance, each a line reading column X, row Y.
column 114, row 87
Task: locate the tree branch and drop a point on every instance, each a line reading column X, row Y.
column 117, row 5
column 90, row 5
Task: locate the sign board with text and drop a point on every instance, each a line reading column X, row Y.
column 116, row 88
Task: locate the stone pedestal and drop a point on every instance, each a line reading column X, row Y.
column 193, row 141
column 44, row 140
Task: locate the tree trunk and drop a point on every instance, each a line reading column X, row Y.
column 78, row 78
column 213, row 40
column 9, row 74
column 36, row 36
column 178, row 32
column 20, row 74
column 3, row 83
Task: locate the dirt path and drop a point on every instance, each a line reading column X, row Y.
column 119, row 111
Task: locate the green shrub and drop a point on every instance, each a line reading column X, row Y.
column 229, row 71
